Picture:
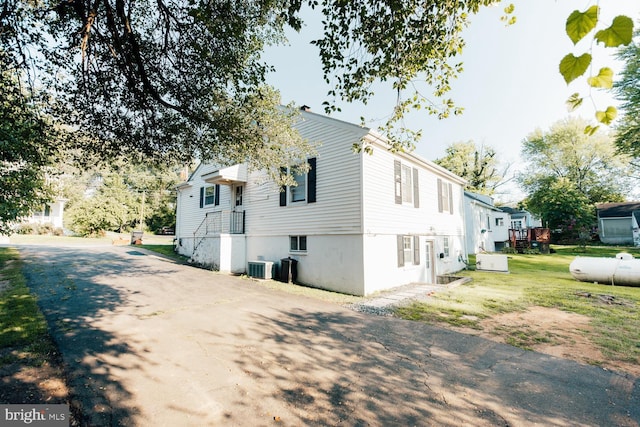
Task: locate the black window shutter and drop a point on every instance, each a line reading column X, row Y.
column 440, row 195
column 216, row 196
column 397, row 176
column 311, row 181
column 450, row 199
column 400, row 251
column 201, row 197
column 283, row 189
column 416, row 189
column 416, row 250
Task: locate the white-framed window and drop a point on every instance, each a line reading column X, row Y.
column 305, row 189
column 298, row 243
column 499, row 222
column 209, row 195
column 445, row 247
column 408, row 250
column 445, row 196
column 407, row 243
column 298, row 193
column 407, row 185
column 516, row 224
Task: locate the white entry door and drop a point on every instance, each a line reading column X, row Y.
column 429, row 262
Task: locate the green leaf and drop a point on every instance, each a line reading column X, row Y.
column 590, row 130
column 509, row 9
column 572, row 67
column 574, row 102
column 607, row 116
column 604, row 79
column 620, row 32
column 579, row 24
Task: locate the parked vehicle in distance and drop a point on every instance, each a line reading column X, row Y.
column 165, row 231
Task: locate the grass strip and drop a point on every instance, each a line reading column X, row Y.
column 23, row 329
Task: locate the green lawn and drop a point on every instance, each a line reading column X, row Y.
column 23, row 330
column 166, row 250
column 543, row 280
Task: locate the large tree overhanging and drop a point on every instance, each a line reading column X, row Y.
column 27, row 145
column 627, row 91
column 184, row 77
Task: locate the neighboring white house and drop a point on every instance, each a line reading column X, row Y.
column 51, row 213
column 487, row 226
column 521, row 219
column 356, row 223
column 619, row 223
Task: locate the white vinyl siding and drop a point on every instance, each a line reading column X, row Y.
column 354, row 222
column 384, row 214
column 337, row 209
column 189, row 213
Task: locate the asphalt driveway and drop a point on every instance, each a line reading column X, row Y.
column 148, row 342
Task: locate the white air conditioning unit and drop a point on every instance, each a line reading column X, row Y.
column 492, row 262
column 260, row 269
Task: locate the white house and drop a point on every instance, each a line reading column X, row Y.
column 356, row 223
column 51, row 213
column 487, row 226
column 521, row 219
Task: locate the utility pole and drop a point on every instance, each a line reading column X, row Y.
column 144, row 193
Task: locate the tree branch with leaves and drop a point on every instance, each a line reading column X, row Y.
column 579, row 25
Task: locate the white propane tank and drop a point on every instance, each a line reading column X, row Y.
column 623, row 270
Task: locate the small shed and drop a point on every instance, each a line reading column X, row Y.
column 618, row 223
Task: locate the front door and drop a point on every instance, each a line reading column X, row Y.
column 429, row 262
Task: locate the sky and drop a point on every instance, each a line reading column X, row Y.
column 510, row 85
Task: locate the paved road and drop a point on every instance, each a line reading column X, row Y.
column 151, row 343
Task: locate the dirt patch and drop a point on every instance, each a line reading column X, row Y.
column 35, row 383
column 550, row 331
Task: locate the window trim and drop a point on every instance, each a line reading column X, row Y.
column 299, row 246
column 209, row 199
column 310, row 180
column 406, row 183
column 445, row 196
column 406, row 180
column 301, row 187
column 216, row 196
column 401, row 250
column 446, row 249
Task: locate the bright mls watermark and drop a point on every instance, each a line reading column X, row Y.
column 36, row 415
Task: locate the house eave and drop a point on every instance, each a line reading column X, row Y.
column 236, row 174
